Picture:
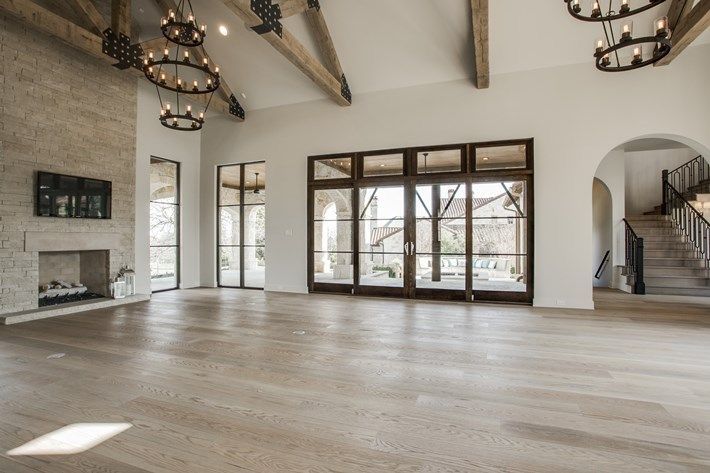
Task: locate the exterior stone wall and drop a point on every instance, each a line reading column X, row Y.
column 64, row 112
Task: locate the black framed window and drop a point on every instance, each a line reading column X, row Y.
column 241, row 228
column 451, row 222
column 164, row 224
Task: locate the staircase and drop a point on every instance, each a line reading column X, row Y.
column 671, row 265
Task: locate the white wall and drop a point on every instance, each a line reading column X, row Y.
column 611, row 172
column 184, row 147
column 576, row 115
column 643, row 176
column 602, row 232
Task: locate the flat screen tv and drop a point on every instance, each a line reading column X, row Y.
column 59, row 195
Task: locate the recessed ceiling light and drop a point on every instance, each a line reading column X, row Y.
column 223, row 30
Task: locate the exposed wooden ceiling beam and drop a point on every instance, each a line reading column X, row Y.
column 84, row 40
column 677, row 10
column 319, row 27
column 266, row 23
column 86, row 9
column 292, row 7
column 155, row 44
column 689, row 28
column 479, row 16
column 121, row 17
column 55, row 26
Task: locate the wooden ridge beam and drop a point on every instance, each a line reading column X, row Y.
column 86, row 9
column 121, row 17
column 268, row 26
column 479, row 18
column 89, row 43
column 689, row 28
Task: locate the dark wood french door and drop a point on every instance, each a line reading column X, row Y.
column 422, row 223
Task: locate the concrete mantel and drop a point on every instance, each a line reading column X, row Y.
column 71, row 241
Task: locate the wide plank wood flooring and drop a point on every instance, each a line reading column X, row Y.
column 220, row 380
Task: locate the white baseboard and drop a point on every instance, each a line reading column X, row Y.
column 291, row 289
column 562, row 303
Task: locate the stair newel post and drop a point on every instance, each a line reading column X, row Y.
column 664, row 181
column 640, row 286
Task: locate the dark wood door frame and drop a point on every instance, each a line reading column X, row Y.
column 409, row 180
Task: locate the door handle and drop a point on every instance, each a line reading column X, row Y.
column 412, row 248
column 406, row 248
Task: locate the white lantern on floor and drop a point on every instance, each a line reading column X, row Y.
column 119, row 289
column 129, row 276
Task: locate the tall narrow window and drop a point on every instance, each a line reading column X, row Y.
column 164, row 224
column 241, row 230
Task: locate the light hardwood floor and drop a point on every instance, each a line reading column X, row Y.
column 217, row 381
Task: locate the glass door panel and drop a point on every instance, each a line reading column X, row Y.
column 332, row 234
column 164, row 224
column 500, row 240
column 439, row 248
column 241, row 235
column 381, row 220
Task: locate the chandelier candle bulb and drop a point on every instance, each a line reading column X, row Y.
column 162, row 78
column 186, row 57
column 638, row 51
column 163, row 21
column 662, row 27
column 179, row 84
column 166, row 54
column 625, row 8
column 203, row 29
column 216, row 70
column 202, row 116
column 606, row 60
column 195, row 88
column 599, row 46
column 188, row 111
column 171, row 14
column 190, row 18
column 209, row 83
column 576, row 7
column 596, row 10
column 626, row 31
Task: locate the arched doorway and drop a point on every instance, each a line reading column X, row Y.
column 674, row 260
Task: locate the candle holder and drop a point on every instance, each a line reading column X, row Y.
column 638, row 55
column 624, row 8
column 627, row 30
column 596, row 10
column 661, row 27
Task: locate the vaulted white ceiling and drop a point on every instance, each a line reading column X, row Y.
column 389, row 44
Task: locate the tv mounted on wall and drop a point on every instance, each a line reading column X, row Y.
column 59, row 195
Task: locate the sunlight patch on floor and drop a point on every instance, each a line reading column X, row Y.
column 71, row 439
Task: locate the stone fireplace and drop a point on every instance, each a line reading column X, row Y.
column 73, row 276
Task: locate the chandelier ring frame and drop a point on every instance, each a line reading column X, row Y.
column 660, row 54
column 185, row 90
column 611, row 17
column 185, row 30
